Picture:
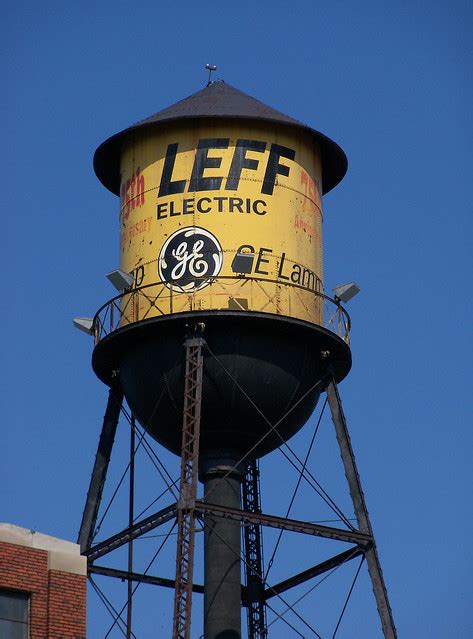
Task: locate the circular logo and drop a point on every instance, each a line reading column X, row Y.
column 189, row 259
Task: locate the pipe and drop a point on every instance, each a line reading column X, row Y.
column 222, row 547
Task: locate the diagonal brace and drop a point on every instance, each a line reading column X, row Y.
column 139, row 577
column 315, row 571
column 133, row 532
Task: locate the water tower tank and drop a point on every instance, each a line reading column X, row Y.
column 221, row 225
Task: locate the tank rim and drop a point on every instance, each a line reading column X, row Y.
column 108, row 351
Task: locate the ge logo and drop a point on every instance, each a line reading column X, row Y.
column 189, row 259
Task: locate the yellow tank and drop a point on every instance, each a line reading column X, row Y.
column 223, row 215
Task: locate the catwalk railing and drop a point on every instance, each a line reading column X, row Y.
column 223, row 293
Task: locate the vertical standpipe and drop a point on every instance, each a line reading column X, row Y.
column 222, row 547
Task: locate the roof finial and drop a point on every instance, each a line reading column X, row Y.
column 210, row 68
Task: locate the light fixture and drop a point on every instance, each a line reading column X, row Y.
column 345, row 292
column 243, row 262
column 84, row 324
column 120, row 279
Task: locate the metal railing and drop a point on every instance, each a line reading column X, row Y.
column 236, row 293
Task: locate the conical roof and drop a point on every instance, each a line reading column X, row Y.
column 218, row 100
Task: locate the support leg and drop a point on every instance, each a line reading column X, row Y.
column 99, row 473
column 361, row 511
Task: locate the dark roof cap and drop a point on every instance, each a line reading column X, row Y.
column 217, row 100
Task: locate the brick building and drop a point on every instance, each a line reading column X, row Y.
column 42, row 586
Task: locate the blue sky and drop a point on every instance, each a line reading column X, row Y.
column 391, row 82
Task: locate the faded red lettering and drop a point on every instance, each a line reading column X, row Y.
column 133, row 193
column 309, row 191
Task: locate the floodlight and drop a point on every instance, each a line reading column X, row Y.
column 345, row 292
column 84, row 324
column 120, row 279
column 243, row 263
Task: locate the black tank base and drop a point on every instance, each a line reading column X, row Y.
column 275, row 360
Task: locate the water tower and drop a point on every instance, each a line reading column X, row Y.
column 218, row 337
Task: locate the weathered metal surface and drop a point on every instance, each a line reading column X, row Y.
column 188, row 488
column 361, row 510
column 194, row 198
column 218, row 101
column 99, row 472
